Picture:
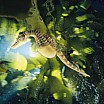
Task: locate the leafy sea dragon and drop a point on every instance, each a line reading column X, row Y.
column 46, row 47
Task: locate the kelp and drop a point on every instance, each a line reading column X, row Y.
column 79, row 32
column 15, row 85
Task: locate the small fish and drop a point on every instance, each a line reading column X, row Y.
column 46, row 47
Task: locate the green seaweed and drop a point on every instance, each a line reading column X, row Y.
column 79, row 34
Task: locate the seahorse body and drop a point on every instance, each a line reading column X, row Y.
column 47, row 47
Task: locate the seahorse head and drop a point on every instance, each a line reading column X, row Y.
column 20, row 40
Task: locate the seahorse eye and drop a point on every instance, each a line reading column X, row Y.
column 21, row 36
column 21, row 32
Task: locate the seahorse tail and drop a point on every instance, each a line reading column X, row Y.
column 68, row 64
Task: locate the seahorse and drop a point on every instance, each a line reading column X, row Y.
column 46, row 47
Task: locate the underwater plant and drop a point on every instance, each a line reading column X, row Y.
column 66, row 28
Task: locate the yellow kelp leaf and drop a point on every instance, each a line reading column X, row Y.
column 3, row 26
column 50, row 25
column 38, row 61
column 2, row 70
column 88, row 50
column 41, row 59
column 30, row 66
column 3, row 76
column 17, row 61
column 84, row 17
